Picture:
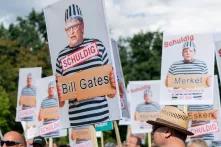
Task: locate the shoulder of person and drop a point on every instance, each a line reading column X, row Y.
column 199, row 61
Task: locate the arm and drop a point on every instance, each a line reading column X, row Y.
column 39, row 115
column 59, row 89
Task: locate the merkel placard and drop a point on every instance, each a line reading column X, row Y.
column 187, row 69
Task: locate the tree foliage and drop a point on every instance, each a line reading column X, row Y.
column 141, row 56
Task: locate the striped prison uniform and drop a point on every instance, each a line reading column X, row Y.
column 28, row 91
column 216, row 143
column 195, row 123
column 194, row 67
column 94, row 110
column 150, row 107
column 50, row 103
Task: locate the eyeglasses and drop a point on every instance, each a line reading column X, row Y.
column 9, row 143
column 72, row 27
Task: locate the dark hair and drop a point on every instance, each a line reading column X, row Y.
column 179, row 134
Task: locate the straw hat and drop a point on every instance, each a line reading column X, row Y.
column 174, row 118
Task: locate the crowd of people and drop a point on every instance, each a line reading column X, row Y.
column 169, row 130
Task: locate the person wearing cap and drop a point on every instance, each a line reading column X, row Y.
column 148, row 105
column 13, row 138
column 170, row 128
column 28, row 90
column 39, row 141
column 51, row 101
column 93, row 110
column 189, row 65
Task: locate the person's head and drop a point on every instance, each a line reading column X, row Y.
column 74, row 25
column 147, row 95
column 188, row 51
column 29, row 80
column 13, row 139
column 133, row 141
column 197, row 143
column 39, row 141
column 163, row 135
column 51, row 89
column 170, row 127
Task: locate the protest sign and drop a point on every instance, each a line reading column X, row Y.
column 187, row 69
column 49, row 117
column 121, row 82
column 144, row 104
column 26, row 98
column 89, row 49
column 83, row 136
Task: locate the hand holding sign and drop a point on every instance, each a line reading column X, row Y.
column 59, row 91
column 113, row 83
column 209, row 81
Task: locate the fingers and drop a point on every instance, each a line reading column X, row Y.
column 112, row 79
column 59, row 91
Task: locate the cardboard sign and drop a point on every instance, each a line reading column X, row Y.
column 49, row 113
column 87, row 84
column 26, row 113
column 28, row 101
column 50, row 127
column 79, row 56
column 204, row 129
column 203, row 115
column 81, row 134
column 188, row 81
column 145, row 116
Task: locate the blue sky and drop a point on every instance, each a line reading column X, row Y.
column 126, row 17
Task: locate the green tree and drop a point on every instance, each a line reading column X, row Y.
column 4, row 110
column 141, row 56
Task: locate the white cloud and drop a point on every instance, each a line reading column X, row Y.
column 126, row 17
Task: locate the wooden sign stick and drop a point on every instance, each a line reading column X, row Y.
column 117, row 134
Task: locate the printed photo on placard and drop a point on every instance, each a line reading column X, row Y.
column 49, row 117
column 82, row 137
column 187, row 69
column 144, row 104
column 82, row 60
column 204, row 119
column 26, row 98
column 121, row 82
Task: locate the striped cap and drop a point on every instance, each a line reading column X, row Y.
column 190, row 45
column 51, row 84
column 148, row 91
column 29, row 74
column 73, row 11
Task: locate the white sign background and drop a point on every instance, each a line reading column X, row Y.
column 136, row 98
column 204, row 52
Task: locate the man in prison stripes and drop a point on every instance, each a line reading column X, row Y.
column 28, row 90
column 94, row 110
column 188, row 66
column 50, row 102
